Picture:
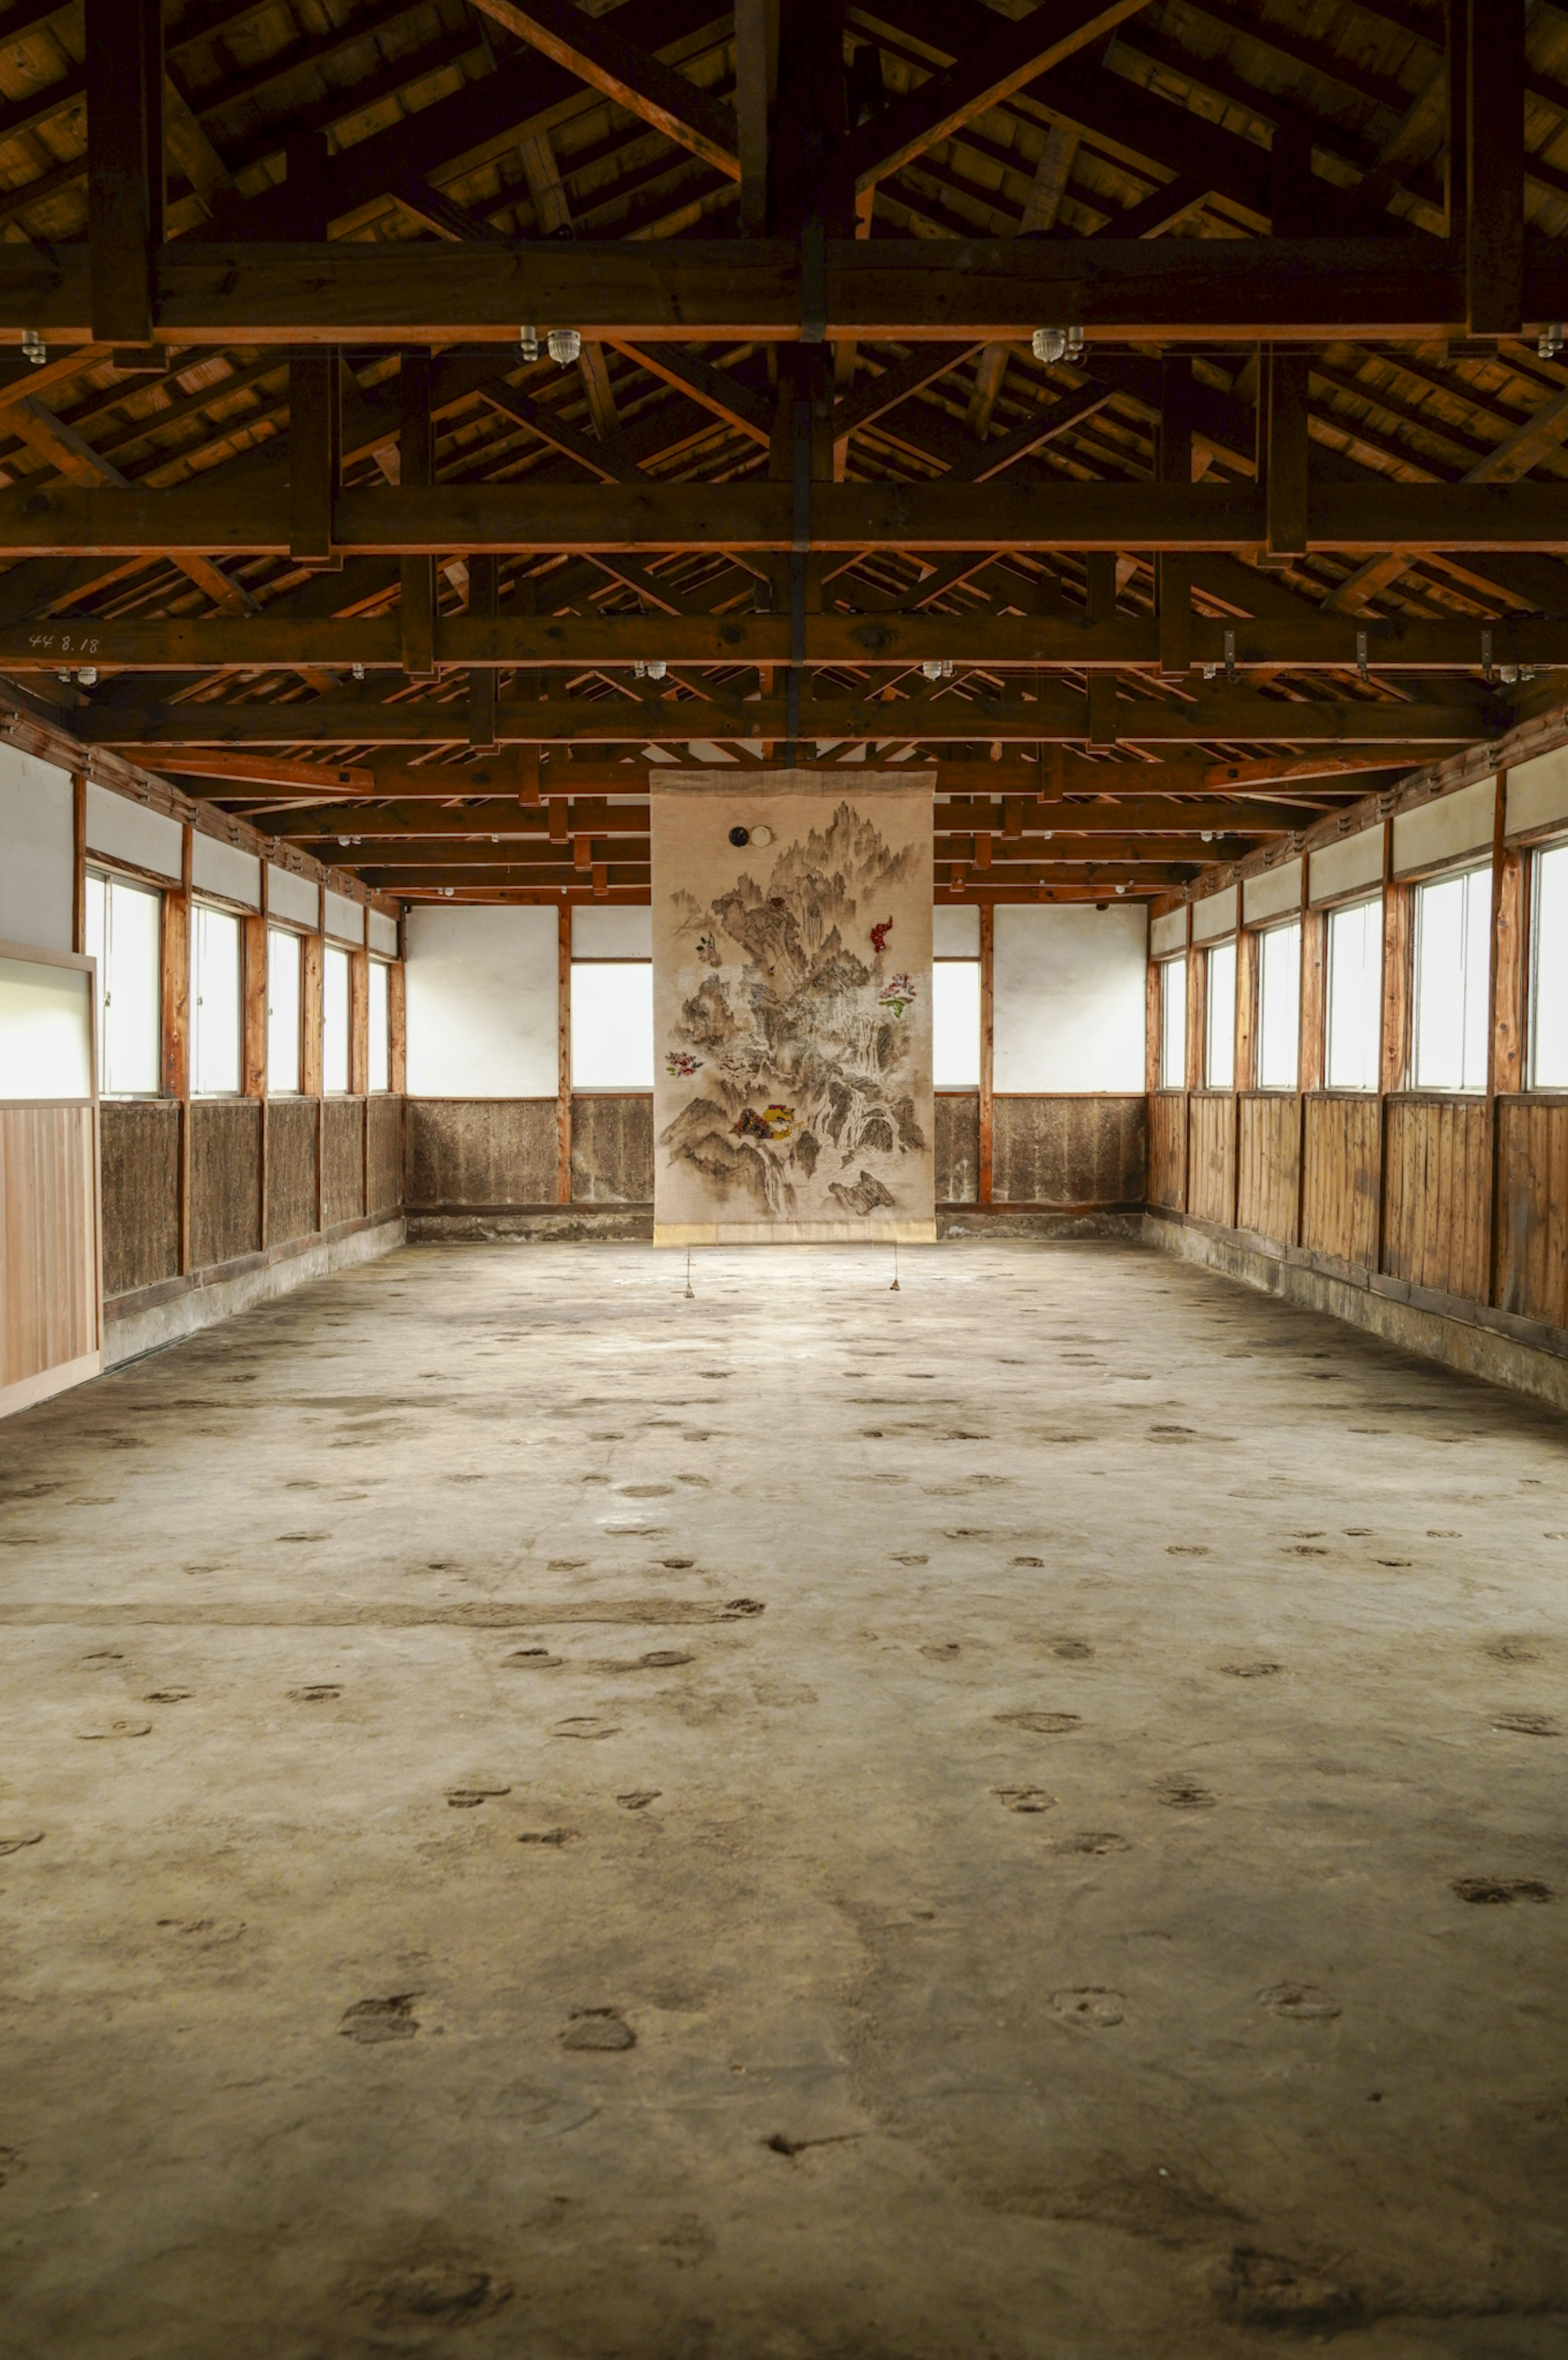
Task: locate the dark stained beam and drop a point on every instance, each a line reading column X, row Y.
column 594, row 50
column 126, row 172
column 1495, row 251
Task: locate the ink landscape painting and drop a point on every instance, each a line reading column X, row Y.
column 792, row 984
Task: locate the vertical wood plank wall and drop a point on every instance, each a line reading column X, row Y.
column 48, row 1240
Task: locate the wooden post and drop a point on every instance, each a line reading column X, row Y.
column 483, row 600
column 312, row 970
column 1286, row 484
column 126, row 170
column 1152, row 1026
column 264, row 1083
column 415, row 467
column 78, row 871
column 1393, row 1059
column 359, row 1060
column 1506, row 1047
column 176, row 981
column 987, row 1049
column 253, row 1046
column 313, row 437
column 1494, row 247
column 1310, row 1035
column 564, row 1066
column 397, row 1028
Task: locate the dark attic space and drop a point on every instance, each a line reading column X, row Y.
column 783, row 1179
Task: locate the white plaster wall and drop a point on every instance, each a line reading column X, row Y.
column 223, row 868
column 612, row 934
column 1355, row 860
column 345, row 919
column 1273, row 894
column 296, row 899
column 1070, row 997
column 36, row 857
column 128, row 831
column 481, row 991
column 383, row 933
column 1216, row 916
column 1168, row 934
column 1538, row 792
column 955, row 931
column 1446, row 829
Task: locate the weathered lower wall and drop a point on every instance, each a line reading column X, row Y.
column 1454, row 1208
column 140, row 1183
column 291, row 1126
column 612, row 1149
column 1069, row 1150
column 957, row 1147
column 225, row 1180
column 343, row 1160
column 238, row 1154
column 473, row 1154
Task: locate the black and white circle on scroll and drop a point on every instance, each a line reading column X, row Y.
column 740, row 838
column 761, row 836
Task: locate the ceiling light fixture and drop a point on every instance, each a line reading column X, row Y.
column 1050, row 346
column 1551, row 342
column 34, row 348
column 528, row 343
column 565, row 346
column 937, row 668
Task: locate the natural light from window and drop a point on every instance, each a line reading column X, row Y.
column 1454, row 950
column 955, row 1024
column 334, row 1021
column 1549, row 977
column 1279, row 1006
column 282, row 1011
column 1173, row 1024
column 380, row 1074
column 1355, row 995
column 215, row 1003
column 612, row 1024
column 123, row 935
column 1219, row 1065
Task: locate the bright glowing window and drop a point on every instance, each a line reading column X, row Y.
column 1355, row 995
column 1173, row 1024
column 612, row 1024
column 1219, row 1065
column 1279, row 1006
column 334, row 1021
column 1454, row 952
column 125, row 936
column 215, row 1003
column 955, row 1024
column 283, row 955
column 380, row 1074
column 1549, row 977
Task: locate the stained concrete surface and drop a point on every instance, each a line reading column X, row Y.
column 1022, row 1817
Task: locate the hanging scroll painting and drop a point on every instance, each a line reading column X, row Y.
column 793, row 1006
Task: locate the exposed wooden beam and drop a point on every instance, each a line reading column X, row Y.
column 126, row 166
column 594, row 50
column 1301, row 640
column 357, row 293
column 1494, row 253
column 1009, row 56
column 1370, row 514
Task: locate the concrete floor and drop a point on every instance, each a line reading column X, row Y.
column 1021, row 1817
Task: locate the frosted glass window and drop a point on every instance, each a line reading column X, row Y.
column 1355, row 995
column 612, row 1024
column 1549, row 980
column 283, row 959
column 955, row 1024
column 335, row 1021
column 214, row 1002
column 1173, row 1024
column 46, row 1030
column 1454, row 954
column 380, row 1074
column 1279, row 1006
column 1219, row 1065
column 125, row 929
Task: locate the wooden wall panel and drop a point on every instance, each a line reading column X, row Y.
column 1167, row 1149
column 1268, row 1148
column 1211, row 1181
column 343, row 1160
column 1339, row 1188
column 1069, row 1150
column 140, row 1150
column 1532, row 1208
column 290, row 1169
column 495, row 1152
column 384, row 1154
column 958, row 1147
column 48, row 1240
column 1437, row 1191
column 225, row 1180
column 612, row 1148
